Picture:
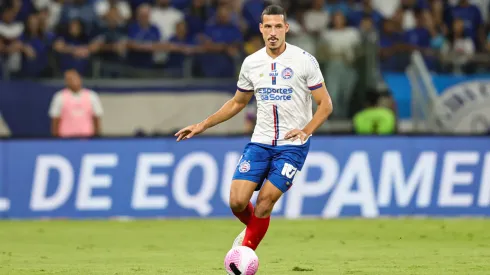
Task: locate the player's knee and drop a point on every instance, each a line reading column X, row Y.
column 238, row 204
column 263, row 208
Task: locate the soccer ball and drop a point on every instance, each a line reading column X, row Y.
column 241, row 260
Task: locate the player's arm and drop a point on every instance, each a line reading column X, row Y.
column 324, row 109
column 55, row 125
column 314, row 81
column 232, row 107
column 98, row 112
column 55, row 114
column 227, row 111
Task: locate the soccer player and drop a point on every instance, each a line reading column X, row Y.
column 283, row 78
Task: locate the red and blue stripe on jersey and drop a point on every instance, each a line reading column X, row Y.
column 276, row 125
column 273, row 69
column 314, row 87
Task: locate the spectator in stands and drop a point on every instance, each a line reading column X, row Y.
column 143, row 39
column 111, row 43
column 75, row 111
column 222, row 43
column 10, row 34
column 367, row 9
column 437, row 33
column 233, row 11
column 185, row 45
column 368, row 31
column 202, row 18
column 340, row 45
column 74, row 48
column 316, row 19
column 473, row 22
column 196, row 16
column 460, row 49
column 436, row 14
column 420, row 38
column 386, row 8
column 22, row 8
column 251, row 12
column 50, row 13
column 36, row 48
column 84, row 12
column 409, row 9
column 166, row 18
column 181, row 4
column 392, row 48
column 298, row 35
column 102, row 8
column 136, row 3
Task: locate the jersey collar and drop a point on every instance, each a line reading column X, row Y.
column 279, row 56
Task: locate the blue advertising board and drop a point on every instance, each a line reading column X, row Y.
column 343, row 176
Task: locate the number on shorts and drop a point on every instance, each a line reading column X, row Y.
column 288, row 170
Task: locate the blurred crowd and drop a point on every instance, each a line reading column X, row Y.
column 44, row 38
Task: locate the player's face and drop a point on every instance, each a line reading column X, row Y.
column 274, row 29
column 73, row 80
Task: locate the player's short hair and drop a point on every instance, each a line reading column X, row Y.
column 273, row 10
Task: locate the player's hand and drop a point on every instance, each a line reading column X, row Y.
column 295, row 134
column 190, row 131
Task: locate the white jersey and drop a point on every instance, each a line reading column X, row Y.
column 282, row 87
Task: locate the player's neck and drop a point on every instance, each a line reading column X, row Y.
column 274, row 53
column 75, row 91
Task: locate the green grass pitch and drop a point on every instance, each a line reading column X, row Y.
column 303, row 247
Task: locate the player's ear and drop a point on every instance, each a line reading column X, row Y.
column 287, row 27
column 261, row 27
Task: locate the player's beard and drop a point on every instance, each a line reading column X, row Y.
column 276, row 45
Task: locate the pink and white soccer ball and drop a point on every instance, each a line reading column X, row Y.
column 241, row 260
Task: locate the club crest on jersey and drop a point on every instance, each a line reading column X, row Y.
column 244, row 166
column 287, row 73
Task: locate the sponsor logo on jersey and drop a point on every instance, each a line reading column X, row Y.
column 274, row 94
column 287, row 73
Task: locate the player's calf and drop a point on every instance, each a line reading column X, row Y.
column 240, row 194
column 268, row 197
column 264, row 206
column 258, row 225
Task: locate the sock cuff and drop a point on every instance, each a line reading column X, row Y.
column 268, row 218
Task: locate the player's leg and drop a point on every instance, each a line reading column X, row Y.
column 240, row 194
column 285, row 164
column 268, row 196
column 250, row 173
column 259, row 223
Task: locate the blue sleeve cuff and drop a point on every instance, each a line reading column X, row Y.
column 314, row 87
